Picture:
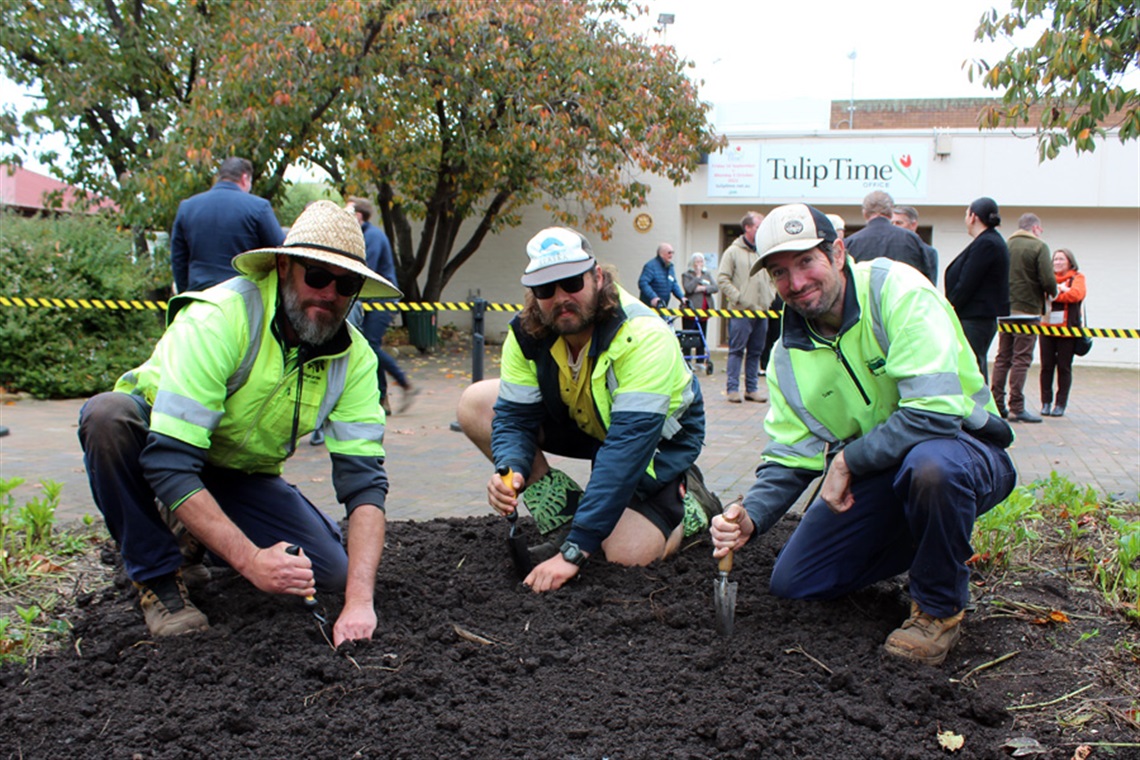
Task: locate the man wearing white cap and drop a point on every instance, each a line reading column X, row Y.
column 875, row 383
column 244, row 371
column 590, row 372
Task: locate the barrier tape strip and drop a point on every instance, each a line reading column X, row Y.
column 104, row 304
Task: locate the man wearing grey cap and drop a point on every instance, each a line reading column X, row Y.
column 865, row 388
column 589, row 372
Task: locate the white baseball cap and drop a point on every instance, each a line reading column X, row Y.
column 555, row 254
column 795, row 227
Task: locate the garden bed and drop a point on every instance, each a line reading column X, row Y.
column 622, row 663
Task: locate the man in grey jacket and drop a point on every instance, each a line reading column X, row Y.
column 743, row 290
column 1031, row 280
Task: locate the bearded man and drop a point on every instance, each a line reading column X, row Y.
column 185, row 455
column 590, row 372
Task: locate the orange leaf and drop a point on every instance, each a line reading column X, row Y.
column 1058, row 617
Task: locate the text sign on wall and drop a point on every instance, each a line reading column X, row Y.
column 735, row 171
column 833, row 170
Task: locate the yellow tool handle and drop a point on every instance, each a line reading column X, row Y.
column 507, row 475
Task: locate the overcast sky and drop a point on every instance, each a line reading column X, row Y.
column 770, row 53
column 748, row 50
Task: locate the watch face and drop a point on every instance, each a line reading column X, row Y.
column 571, row 553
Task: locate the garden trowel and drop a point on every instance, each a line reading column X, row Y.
column 310, row 601
column 724, row 596
column 516, row 543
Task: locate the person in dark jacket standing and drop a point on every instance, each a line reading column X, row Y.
column 880, row 238
column 213, row 227
column 378, row 251
column 658, row 280
column 977, row 282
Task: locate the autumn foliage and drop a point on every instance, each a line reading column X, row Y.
column 454, row 115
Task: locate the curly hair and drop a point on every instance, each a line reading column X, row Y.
column 606, row 306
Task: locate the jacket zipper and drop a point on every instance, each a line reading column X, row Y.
column 851, row 373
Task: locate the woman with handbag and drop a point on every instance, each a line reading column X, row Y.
column 1056, row 351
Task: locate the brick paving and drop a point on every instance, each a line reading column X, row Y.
column 435, row 472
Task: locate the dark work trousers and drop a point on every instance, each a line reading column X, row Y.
column 113, row 430
column 376, row 324
column 1056, row 354
column 746, row 337
column 1014, row 355
column 916, row 517
column 980, row 334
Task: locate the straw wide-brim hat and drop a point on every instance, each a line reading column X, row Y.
column 327, row 233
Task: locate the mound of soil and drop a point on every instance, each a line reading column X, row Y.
column 467, row 663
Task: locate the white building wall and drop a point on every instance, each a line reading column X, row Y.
column 1088, row 203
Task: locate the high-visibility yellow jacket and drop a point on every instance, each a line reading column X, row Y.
column 898, row 372
column 644, row 394
column 225, row 390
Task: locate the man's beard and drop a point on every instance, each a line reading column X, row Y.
column 314, row 331
column 571, row 318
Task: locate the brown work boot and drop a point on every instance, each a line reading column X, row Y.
column 167, row 608
column 734, row 397
column 923, row 638
column 756, row 396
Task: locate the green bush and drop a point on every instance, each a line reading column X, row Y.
column 67, row 352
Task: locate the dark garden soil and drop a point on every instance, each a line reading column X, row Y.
column 622, row 663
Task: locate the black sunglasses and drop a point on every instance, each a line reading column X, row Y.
column 569, row 285
column 318, row 278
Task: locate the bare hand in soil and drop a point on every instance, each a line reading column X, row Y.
column 551, row 574
column 357, row 621
column 730, row 530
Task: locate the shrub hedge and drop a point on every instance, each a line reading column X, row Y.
column 65, row 352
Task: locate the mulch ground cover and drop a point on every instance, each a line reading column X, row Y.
column 622, row 663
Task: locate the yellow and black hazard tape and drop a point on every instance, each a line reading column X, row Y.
column 120, row 304
column 1060, row 331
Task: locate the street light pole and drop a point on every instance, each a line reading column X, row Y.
column 851, row 104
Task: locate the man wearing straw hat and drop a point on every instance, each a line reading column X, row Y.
column 244, row 371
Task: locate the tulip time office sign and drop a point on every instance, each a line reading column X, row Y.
column 826, row 170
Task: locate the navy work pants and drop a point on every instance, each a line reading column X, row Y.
column 916, row 517
column 113, row 430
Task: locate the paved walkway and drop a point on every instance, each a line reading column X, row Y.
column 435, row 472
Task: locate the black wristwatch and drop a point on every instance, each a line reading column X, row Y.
column 572, row 554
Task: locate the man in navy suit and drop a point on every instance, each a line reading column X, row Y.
column 213, row 227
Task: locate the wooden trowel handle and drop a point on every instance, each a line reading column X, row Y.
column 725, row 564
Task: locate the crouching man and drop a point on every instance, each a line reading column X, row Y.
column 874, row 382
column 244, row 371
column 589, row 372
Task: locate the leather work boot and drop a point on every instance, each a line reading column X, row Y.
column 167, row 608
column 194, row 573
column 756, row 396
column 923, row 638
column 734, row 397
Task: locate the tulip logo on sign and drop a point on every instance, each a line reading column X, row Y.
column 903, row 164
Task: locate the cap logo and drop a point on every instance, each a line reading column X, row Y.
column 793, row 226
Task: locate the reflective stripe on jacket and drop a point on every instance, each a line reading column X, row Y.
column 221, row 380
column 899, row 371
